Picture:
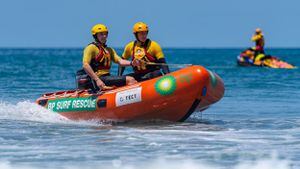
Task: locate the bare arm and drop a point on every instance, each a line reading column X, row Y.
column 123, row 62
column 135, row 62
column 88, row 69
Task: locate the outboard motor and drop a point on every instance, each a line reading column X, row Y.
column 83, row 80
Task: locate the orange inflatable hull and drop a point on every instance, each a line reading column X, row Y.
column 173, row 97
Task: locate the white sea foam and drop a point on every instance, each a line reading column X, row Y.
column 28, row 111
column 270, row 163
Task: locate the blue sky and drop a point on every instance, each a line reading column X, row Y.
column 188, row 23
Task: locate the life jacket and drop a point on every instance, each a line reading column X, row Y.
column 260, row 43
column 142, row 54
column 102, row 60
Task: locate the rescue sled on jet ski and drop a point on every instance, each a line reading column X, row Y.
column 172, row 97
column 247, row 58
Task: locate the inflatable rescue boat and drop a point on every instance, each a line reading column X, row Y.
column 172, row 97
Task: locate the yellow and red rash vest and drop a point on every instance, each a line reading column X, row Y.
column 99, row 58
column 259, row 40
column 149, row 52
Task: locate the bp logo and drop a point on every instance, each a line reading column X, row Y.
column 165, row 85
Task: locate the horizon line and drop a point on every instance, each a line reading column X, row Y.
column 170, row 47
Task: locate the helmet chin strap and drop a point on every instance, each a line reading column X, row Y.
column 136, row 37
column 103, row 44
column 98, row 41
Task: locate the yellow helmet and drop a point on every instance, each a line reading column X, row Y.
column 258, row 30
column 99, row 28
column 140, row 27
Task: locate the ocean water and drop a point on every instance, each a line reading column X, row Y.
column 256, row 124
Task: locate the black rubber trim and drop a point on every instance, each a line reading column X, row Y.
column 43, row 102
column 191, row 110
column 101, row 103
